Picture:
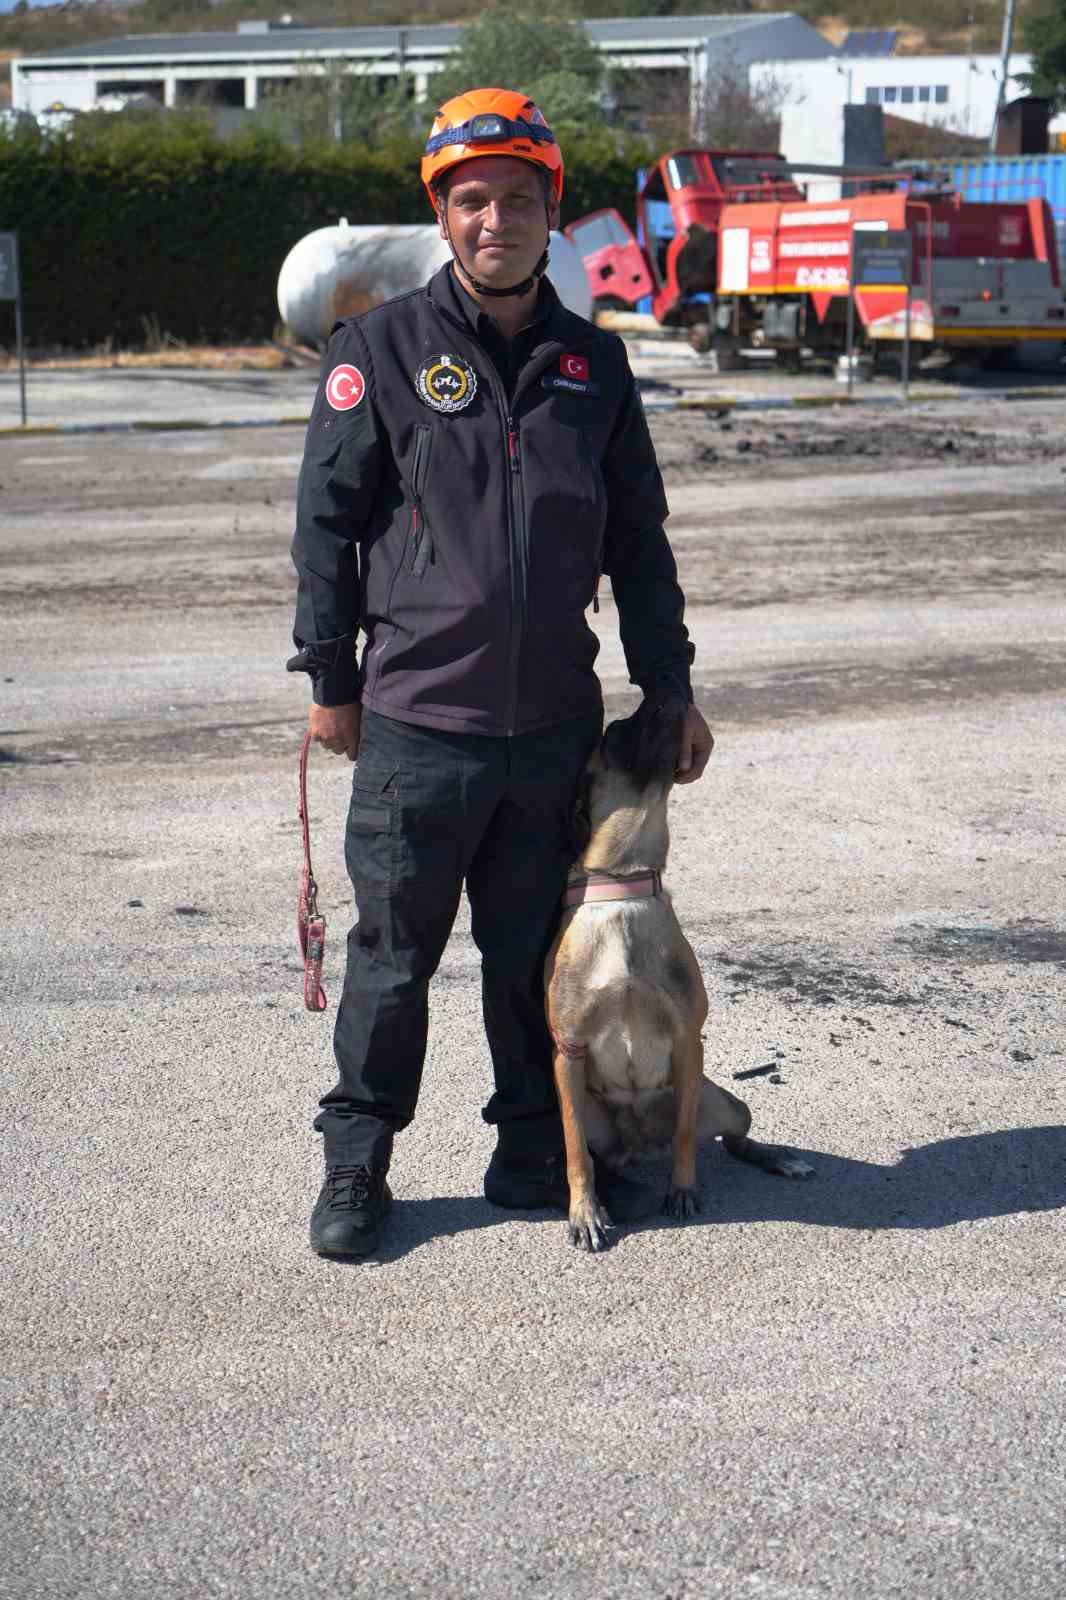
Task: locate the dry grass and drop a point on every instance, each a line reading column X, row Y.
column 229, row 358
column 944, row 28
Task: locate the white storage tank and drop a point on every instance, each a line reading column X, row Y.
column 343, row 270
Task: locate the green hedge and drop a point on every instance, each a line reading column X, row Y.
column 136, row 223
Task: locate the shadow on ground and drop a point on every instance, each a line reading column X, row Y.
column 963, row 1179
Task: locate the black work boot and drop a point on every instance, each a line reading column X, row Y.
column 349, row 1212
column 528, row 1182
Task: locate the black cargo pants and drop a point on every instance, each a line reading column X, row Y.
column 428, row 811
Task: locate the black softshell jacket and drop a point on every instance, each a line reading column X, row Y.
column 467, row 545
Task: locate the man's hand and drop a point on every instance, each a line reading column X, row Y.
column 336, row 728
column 697, row 742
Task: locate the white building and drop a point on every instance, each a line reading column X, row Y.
column 233, row 67
column 954, row 92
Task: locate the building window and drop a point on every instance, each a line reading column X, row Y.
column 134, row 91
column 941, row 94
column 873, row 97
column 907, row 95
column 923, row 94
column 889, row 96
column 210, row 91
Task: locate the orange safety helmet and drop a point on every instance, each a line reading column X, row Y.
column 489, row 122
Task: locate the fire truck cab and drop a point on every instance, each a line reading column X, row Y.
column 672, row 259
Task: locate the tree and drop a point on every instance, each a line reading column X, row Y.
column 173, row 13
column 1044, row 35
column 339, row 104
column 546, row 54
column 728, row 111
column 738, row 111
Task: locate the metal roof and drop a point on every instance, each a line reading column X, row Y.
column 636, row 32
column 278, row 41
column 647, row 30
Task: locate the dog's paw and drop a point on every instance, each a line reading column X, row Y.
column 589, row 1225
column 776, row 1158
column 786, row 1163
column 681, row 1203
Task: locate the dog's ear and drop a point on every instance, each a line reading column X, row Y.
column 580, row 815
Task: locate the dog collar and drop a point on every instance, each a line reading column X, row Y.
column 597, row 887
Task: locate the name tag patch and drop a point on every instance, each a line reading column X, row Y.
column 555, row 380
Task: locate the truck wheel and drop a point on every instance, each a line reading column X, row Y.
column 727, row 357
column 999, row 358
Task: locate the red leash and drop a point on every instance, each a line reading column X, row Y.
column 310, row 923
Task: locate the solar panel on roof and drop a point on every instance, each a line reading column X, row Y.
column 870, row 42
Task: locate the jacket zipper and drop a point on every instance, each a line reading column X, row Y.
column 519, row 569
column 595, row 469
column 421, row 542
column 517, row 533
column 519, row 528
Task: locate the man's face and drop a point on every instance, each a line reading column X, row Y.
column 496, row 213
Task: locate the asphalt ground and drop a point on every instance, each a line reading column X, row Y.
column 848, row 1386
column 75, row 398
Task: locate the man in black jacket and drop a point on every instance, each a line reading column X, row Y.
column 477, row 457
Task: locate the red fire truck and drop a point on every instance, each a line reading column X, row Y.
column 679, row 205
column 739, row 256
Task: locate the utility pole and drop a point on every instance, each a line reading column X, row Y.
column 971, row 68
column 1004, row 64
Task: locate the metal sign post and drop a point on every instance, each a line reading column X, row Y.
column 11, row 289
column 882, row 258
column 850, row 356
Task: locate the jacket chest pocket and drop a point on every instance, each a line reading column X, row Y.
column 420, row 541
column 595, row 472
column 563, row 479
column 567, row 501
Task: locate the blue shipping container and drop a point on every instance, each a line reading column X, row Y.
column 1017, row 178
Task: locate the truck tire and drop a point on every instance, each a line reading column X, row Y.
column 1000, row 358
column 727, row 355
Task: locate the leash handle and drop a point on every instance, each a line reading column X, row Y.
column 310, row 923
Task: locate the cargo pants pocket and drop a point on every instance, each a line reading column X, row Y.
column 372, row 837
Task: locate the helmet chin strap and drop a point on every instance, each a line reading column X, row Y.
column 485, row 288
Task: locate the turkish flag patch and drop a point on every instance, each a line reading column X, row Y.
column 345, row 388
column 575, row 367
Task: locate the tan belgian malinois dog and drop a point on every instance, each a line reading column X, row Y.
column 625, row 995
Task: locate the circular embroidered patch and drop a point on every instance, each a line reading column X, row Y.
column 345, row 387
column 447, row 383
